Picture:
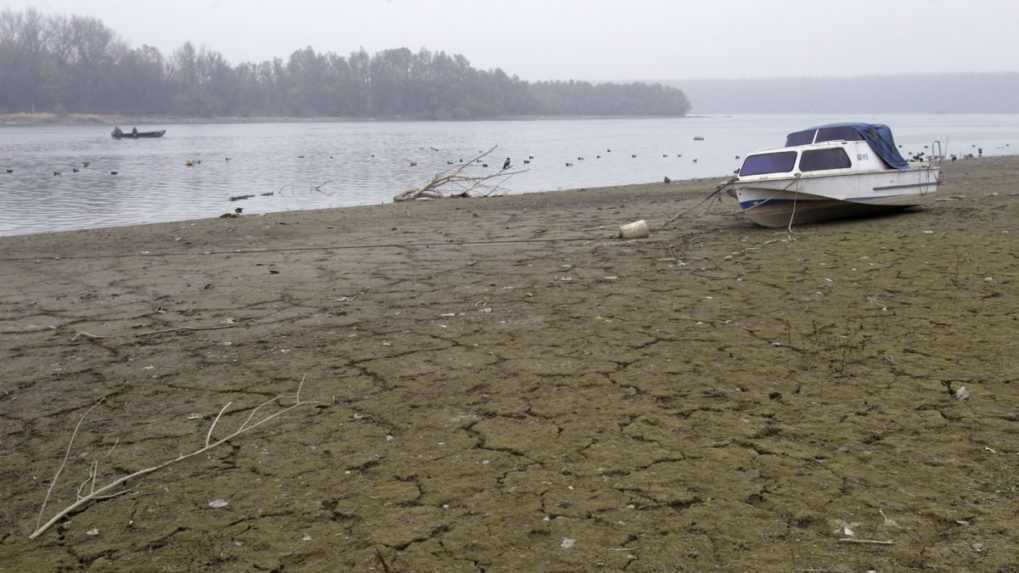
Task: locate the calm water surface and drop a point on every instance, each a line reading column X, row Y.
column 367, row 163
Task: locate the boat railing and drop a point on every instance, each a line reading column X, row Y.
column 937, row 155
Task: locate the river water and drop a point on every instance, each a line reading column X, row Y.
column 316, row 165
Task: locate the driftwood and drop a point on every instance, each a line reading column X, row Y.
column 89, row 491
column 454, row 183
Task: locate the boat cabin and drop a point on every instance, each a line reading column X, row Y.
column 828, row 150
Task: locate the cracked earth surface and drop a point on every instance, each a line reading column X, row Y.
column 503, row 387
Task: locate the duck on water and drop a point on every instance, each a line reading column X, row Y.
column 832, row 172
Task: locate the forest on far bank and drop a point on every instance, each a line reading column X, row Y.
column 76, row 64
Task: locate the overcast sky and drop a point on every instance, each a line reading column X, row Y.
column 594, row 39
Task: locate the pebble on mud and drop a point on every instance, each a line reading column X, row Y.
column 218, row 503
column 962, row 394
column 568, row 543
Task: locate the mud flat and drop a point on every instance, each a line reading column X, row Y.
column 504, row 387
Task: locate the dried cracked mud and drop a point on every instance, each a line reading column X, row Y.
column 500, row 386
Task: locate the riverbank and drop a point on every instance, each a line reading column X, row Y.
column 501, row 385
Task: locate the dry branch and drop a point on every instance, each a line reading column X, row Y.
column 454, row 183
column 88, row 492
column 855, row 541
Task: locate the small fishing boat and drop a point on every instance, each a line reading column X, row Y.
column 135, row 134
column 833, row 172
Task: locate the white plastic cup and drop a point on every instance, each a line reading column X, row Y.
column 635, row 230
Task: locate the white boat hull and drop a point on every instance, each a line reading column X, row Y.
column 777, row 202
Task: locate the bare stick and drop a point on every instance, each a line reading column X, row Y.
column 60, row 469
column 109, row 490
column 865, row 541
column 208, row 436
column 113, row 447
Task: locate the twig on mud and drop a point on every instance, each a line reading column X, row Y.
column 382, row 561
column 67, row 454
column 88, row 492
column 184, row 329
column 865, row 541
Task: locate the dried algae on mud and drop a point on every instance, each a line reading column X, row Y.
column 715, row 398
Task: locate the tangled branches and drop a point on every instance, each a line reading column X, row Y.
column 455, row 183
column 88, row 492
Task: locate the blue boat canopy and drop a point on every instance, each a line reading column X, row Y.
column 878, row 136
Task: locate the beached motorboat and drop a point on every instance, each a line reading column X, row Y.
column 135, row 134
column 832, row 172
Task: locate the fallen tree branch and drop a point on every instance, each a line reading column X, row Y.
column 454, row 183
column 88, row 493
column 865, row 541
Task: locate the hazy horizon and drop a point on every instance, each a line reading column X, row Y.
column 592, row 40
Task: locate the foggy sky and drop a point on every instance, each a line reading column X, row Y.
column 593, row 39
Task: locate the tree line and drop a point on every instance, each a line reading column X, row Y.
column 76, row 64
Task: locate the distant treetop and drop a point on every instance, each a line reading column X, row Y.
column 76, row 64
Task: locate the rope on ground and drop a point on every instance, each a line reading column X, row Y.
column 718, row 190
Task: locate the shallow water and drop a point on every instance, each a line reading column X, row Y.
column 315, row 165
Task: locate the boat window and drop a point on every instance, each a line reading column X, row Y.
column 838, row 134
column 765, row 163
column 823, row 159
column 800, row 138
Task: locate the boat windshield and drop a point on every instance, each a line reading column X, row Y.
column 800, row 138
column 766, row 163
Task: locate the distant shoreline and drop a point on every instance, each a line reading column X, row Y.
column 110, row 120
